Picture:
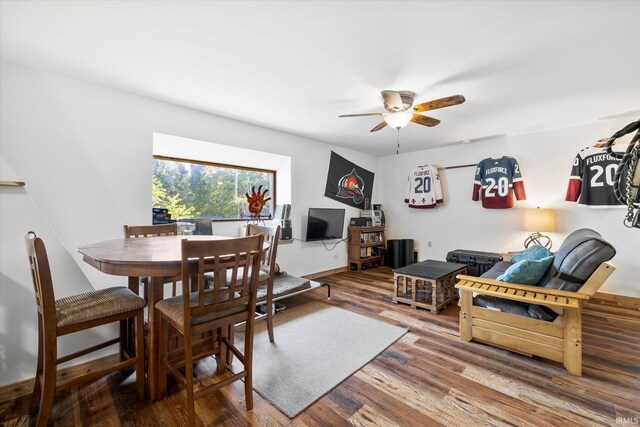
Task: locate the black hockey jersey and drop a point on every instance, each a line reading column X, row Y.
column 591, row 181
column 424, row 190
column 497, row 180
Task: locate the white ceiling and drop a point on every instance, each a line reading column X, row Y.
column 295, row 66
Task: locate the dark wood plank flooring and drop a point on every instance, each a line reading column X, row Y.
column 428, row 377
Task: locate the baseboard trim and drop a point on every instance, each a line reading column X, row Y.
column 621, row 300
column 325, row 273
column 25, row 387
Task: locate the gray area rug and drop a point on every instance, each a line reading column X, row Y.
column 317, row 347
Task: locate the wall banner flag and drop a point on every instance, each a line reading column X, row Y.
column 348, row 183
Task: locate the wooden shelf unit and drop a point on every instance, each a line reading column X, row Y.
column 364, row 240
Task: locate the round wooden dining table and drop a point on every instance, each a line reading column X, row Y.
column 158, row 258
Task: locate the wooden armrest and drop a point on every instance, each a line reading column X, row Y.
column 518, row 292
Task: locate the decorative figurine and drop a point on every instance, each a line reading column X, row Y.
column 256, row 202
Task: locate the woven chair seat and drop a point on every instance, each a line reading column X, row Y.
column 96, row 305
column 173, row 309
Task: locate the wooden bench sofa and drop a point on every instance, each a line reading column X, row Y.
column 543, row 320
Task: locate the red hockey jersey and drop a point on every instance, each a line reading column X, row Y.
column 497, row 180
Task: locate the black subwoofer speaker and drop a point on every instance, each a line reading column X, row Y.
column 286, row 233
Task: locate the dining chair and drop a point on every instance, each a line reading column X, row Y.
column 204, row 227
column 267, row 273
column 73, row 314
column 211, row 309
column 267, row 270
column 139, row 231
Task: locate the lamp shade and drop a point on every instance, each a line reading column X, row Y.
column 539, row 220
column 399, row 119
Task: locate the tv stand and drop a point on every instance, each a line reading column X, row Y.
column 366, row 247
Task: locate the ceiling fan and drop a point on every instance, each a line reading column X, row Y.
column 401, row 110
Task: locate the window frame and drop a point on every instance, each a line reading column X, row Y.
column 224, row 165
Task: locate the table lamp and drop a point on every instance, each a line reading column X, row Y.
column 539, row 220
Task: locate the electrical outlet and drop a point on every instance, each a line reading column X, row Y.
column 429, row 244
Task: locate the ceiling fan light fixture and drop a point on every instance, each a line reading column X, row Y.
column 399, row 119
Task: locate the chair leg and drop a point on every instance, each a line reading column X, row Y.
column 173, row 289
column 140, row 353
column 123, row 339
column 162, row 356
column 221, row 358
column 231, row 333
column 188, row 375
column 248, row 364
column 270, row 310
column 37, row 386
column 48, row 385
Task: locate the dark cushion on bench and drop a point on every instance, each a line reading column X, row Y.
column 497, row 270
column 578, row 257
column 515, row 307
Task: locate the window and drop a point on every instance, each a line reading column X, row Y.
column 194, row 189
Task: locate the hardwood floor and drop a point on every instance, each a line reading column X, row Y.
column 428, row 377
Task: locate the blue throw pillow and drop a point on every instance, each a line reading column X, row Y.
column 527, row 272
column 532, row 253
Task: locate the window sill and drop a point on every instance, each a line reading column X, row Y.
column 239, row 220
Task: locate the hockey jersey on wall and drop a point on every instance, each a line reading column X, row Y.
column 424, row 190
column 497, row 180
column 591, row 181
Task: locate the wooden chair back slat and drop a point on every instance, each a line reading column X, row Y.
column 135, row 231
column 255, row 272
column 219, row 256
column 201, row 287
column 221, row 278
column 41, row 275
column 272, row 237
column 232, row 284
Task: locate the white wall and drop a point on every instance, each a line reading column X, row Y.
column 85, row 152
column 18, row 327
column 545, row 159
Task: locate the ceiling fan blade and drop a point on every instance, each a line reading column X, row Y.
column 424, row 120
column 392, row 100
column 360, row 115
column 439, row 103
column 380, row 126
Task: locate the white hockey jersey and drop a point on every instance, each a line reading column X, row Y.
column 424, row 190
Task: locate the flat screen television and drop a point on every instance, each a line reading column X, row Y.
column 325, row 224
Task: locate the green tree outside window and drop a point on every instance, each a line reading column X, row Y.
column 191, row 190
